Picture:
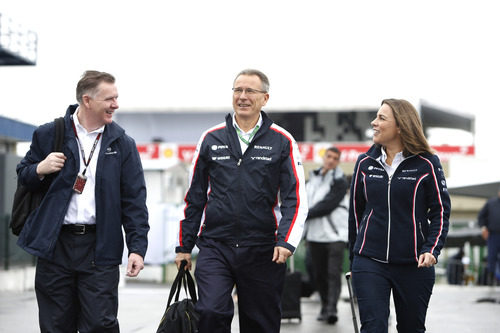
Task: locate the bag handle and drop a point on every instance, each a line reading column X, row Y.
column 183, row 278
column 191, row 286
column 176, row 283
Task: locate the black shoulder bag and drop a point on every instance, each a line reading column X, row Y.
column 180, row 317
column 26, row 201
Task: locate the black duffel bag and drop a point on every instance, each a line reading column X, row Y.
column 180, row 317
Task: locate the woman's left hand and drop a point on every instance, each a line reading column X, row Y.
column 426, row 260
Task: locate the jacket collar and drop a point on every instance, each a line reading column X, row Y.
column 266, row 121
column 233, row 137
column 375, row 151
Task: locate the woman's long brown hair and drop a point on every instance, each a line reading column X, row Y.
column 410, row 126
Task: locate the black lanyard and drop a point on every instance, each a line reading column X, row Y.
column 85, row 162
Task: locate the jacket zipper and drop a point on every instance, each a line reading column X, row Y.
column 239, row 222
column 389, row 201
column 389, row 217
column 421, row 233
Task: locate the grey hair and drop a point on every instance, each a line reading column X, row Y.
column 263, row 78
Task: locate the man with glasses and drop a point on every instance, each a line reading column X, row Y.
column 95, row 188
column 327, row 230
column 245, row 210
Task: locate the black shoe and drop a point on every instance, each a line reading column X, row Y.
column 331, row 319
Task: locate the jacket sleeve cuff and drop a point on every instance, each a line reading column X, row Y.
column 182, row 249
column 32, row 180
column 140, row 253
column 286, row 245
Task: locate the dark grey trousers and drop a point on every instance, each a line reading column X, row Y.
column 327, row 259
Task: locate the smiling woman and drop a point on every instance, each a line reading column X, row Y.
column 398, row 220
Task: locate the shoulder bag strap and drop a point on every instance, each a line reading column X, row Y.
column 59, row 136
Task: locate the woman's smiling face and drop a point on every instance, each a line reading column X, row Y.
column 385, row 129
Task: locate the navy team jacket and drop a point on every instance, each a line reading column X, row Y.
column 395, row 219
column 233, row 197
column 120, row 194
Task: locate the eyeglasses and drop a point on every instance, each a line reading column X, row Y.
column 248, row 91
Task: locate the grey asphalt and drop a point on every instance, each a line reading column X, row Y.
column 452, row 309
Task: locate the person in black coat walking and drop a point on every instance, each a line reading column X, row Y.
column 489, row 221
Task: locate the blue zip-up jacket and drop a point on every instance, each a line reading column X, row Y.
column 395, row 219
column 120, row 193
column 233, row 197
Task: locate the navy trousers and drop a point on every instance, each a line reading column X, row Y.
column 493, row 252
column 259, row 284
column 72, row 292
column 411, row 286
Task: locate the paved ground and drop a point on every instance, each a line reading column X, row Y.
column 453, row 309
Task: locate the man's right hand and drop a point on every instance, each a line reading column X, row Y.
column 183, row 256
column 54, row 162
column 485, row 233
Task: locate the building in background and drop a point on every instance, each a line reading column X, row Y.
column 18, row 47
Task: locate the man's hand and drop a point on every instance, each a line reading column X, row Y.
column 281, row 254
column 426, row 260
column 183, row 256
column 54, row 162
column 485, row 233
column 135, row 264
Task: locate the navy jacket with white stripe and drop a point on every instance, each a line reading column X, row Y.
column 395, row 219
column 238, row 198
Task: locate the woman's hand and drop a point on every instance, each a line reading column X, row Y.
column 426, row 260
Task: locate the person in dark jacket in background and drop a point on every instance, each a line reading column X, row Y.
column 489, row 221
column 326, row 230
column 96, row 188
column 245, row 210
column 398, row 221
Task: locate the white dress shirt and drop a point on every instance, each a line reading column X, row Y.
column 246, row 135
column 395, row 162
column 82, row 206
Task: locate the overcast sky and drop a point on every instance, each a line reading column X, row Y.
column 317, row 54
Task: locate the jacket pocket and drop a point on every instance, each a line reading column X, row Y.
column 421, row 232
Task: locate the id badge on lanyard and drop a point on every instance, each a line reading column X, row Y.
column 81, row 179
